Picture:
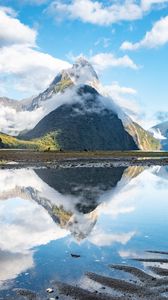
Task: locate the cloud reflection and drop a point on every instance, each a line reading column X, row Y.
column 33, row 212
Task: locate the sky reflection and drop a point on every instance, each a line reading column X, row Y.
column 46, row 215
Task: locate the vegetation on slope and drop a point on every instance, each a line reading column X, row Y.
column 143, row 138
column 63, row 215
column 63, row 84
column 47, row 141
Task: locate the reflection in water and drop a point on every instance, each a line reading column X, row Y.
column 78, row 209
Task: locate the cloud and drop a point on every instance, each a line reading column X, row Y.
column 97, row 12
column 13, row 121
column 102, row 61
column 19, row 59
column 101, row 239
column 125, row 97
column 12, row 31
column 147, row 4
column 16, row 255
column 30, row 70
column 106, row 60
column 42, row 228
column 23, row 67
column 158, row 36
column 12, row 264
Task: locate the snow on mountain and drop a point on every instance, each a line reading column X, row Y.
column 78, row 84
column 161, row 132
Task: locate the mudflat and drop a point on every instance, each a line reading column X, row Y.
column 19, row 158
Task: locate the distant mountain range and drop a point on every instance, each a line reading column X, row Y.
column 162, row 129
column 75, row 115
column 17, row 105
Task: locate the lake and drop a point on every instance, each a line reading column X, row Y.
column 58, row 224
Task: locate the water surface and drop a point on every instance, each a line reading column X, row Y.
column 104, row 215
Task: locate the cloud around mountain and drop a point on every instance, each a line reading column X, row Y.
column 13, row 121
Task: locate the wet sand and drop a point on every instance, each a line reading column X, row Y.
column 53, row 159
column 151, row 284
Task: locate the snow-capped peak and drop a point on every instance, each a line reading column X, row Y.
column 81, row 72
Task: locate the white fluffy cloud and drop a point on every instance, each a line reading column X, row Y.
column 12, row 31
column 158, row 36
column 31, row 69
column 22, row 66
column 12, row 121
column 96, row 12
column 103, row 61
column 18, row 59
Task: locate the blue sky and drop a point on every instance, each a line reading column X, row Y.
column 126, row 41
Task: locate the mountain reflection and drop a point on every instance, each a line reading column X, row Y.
column 38, row 206
column 69, row 196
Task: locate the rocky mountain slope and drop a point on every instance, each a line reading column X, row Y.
column 85, row 125
column 73, row 114
column 85, row 119
column 81, row 73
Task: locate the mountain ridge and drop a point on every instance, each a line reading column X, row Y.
column 79, row 117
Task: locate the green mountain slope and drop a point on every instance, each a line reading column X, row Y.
column 143, row 138
column 10, row 142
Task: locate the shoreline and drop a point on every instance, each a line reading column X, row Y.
column 87, row 163
column 34, row 159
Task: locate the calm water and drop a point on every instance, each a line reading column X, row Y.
column 104, row 215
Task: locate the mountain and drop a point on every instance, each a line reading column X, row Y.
column 81, row 73
column 85, row 119
column 161, row 130
column 15, row 104
column 73, row 114
column 84, row 125
column 8, row 102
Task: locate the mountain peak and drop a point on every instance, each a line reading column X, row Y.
column 82, row 72
column 82, row 62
